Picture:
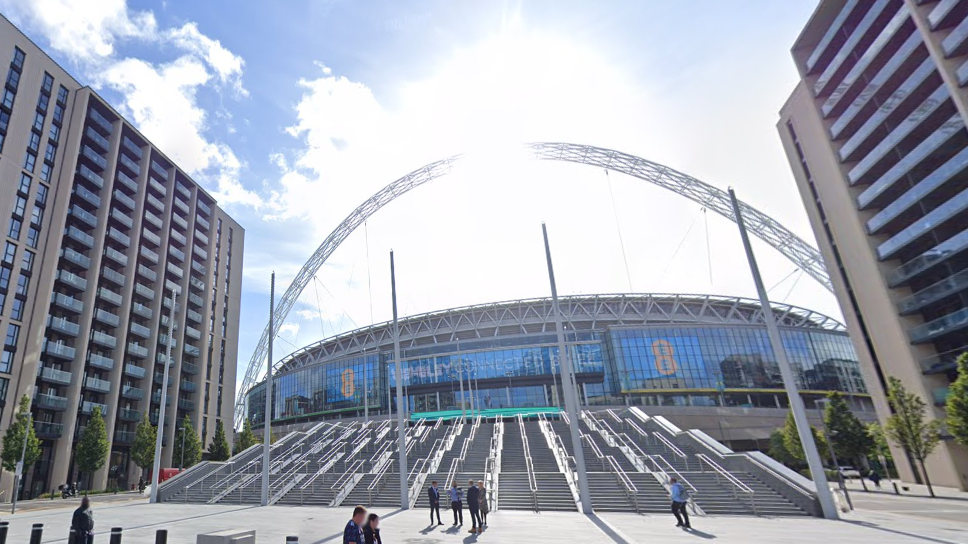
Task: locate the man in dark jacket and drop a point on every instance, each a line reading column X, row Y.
column 434, row 494
column 474, row 505
column 83, row 523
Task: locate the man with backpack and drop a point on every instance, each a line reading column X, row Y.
column 680, row 498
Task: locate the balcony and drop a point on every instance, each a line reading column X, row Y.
column 943, row 325
column 188, row 386
column 106, row 317
column 104, row 339
column 197, row 250
column 112, row 275
column 91, row 176
column 167, row 304
column 153, row 418
column 196, row 283
column 69, row 279
column 83, row 216
column 134, row 371
column 51, row 375
column 134, row 148
column 176, row 253
column 180, row 221
column 140, row 309
column 130, row 164
column 156, row 399
column 116, row 256
column 123, row 437
column 192, row 333
column 137, row 350
column 79, row 236
column 159, row 169
column 119, row 237
column 140, row 330
column 95, row 384
column 192, row 350
column 46, row 430
column 151, row 237
column 160, row 379
column 153, row 219
column 108, row 295
column 163, row 341
column 189, row 368
column 87, row 407
column 181, row 205
column 80, row 260
column 100, row 361
column 185, row 404
column 50, row 402
column 129, row 414
column 194, row 316
column 175, row 270
column 99, row 121
column 184, row 191
column 144, row 291
column 67, row 302
column 155, row 185
column 147, row 273
column 63, row 326
column 94, row 157
column 124, row 199
column 204, row 208
column 159, row 207
column 201, row 237
column 127, row 182
column 121, row 217
column 87, row 196
column 97, row 139
column 132, row 393
column 179, row 237
column 200, row 268
column 202, row 222
column 161, row 358
column 150, row 255
column 195, row 299
column 58, row 350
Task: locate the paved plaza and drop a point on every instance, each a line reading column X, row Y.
column 324, row 525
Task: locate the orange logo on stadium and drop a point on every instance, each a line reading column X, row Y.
column 664, row 362
column 348, row 387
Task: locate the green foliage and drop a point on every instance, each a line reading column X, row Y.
column 791, row 439
column 193, row 446
column 957, row 404
column 92, row 450
column 779, row 451
column 219, row 451
column 246, row 439
column 143, row 449
column 13, row 440
column 879, row 446
column 847, row 434
column 907, row 426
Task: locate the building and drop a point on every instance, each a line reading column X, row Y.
column 100, row 227
column 875, row 134
column 706, row 359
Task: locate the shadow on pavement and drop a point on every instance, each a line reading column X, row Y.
column 609, row 531
column 700, row 534
column 874, row 526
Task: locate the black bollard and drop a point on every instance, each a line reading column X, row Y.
column 36, row 533
column 115, row 535
column 161, row 537
column 292, row 540
column 3, row 532
column 71, row 539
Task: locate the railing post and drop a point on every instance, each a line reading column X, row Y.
column 36, row 533
column 3, row 531
column 115, row 535
column 161, row 536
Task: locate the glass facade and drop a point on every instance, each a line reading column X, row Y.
column 667, row 365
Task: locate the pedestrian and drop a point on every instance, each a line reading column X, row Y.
column 141, row 484
column 474, row 505
column 353, row 532
column 875, row 478
column 371, row 531
column 456, row 503
column 679, row 499
column 434, row 495
column 83, row 523
column 485, row 508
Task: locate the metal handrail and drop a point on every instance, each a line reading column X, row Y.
column 623, row 478
column 614, row 416
column 347, row 474
column 638, row 429
column 595, row 449
column 788, row 481
column 384, row 469
column 736, row 483
column 440, row 421
column 672, row 448
column 325, row 463
column 659, row 468
column 532, row 481
column 452, row 473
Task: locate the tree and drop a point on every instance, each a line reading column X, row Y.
column 791, row 439
column 143, row 449
column 847, row 434
column 219, row 451
column 246, row 439
column 13, row 440
column 957, row 404
column 92, row 450
column 879, row 446
column 779, row 451
column 907, row 426
column 192, row 447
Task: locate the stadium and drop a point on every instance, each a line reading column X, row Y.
column 703, row 361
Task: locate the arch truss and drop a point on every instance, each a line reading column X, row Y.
column 794, row 248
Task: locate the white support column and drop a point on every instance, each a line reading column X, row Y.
column 401, row 434
column 163, row 398
column 267, row 427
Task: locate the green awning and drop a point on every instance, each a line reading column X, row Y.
column 490, row 412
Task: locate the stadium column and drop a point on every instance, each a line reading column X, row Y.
column 401, row 434
column 267, row 419
column 571, row 401
column 163, row 400
column 789, row 382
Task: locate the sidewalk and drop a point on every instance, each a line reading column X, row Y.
column 74, row 502
column 905, row 489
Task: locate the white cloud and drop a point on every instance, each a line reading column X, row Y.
column 227, row 65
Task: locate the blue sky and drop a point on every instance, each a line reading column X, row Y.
column 292, row 113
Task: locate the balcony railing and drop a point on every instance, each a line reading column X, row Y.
column 129, row 414
column 123, row 437
column 179, row 237
column 194, row 316
column 189, row 368
column 52, row 375
column 94, row 156
column 80, row 260
column 63, row 325
column 133, row 166
column 201, row 237
column 132, row 147
column 203, row 222
column 112, row 275
column 161, row 358
column 99, row 120
column 140, row 330
column 180, row 205
column 137, row 350
column 133, row 393
column 163, row 341
column 98, row 140
column 148, row 273
column 72, row 280
column 95, row 384
column 116, row 256
column 106, row 317
column 192, row 350
column 198, row 267
column 157, row 186
column 48, row 430
column 204, row 208
column 87, row 196
column 68, row 302
column 90, row 176
column 80, row 236
column 153, row 219
column 185, row 404
column 151, row 237
column 104, row 339
column 943, row 325
column 144, row 291
column 124, row 199
column 197, row 250
column 85, row 217
column 100, row 361
column 127, row 182
column 192, row 333
column 175, row 270
column 188, row 386
column 134, row 371
column 159, row 206
column 196, row 300
column 149, row 254
column 179, row 220
column 159, row 169
column 87, row 407
column 62, row 351
column 121, row 217
column 196, row 283
column 50, row 402
column 109, row 296
column 156, row 398
column 176, row 253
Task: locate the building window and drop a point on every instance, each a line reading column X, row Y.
column 24, row 184
column 20, row 206
column 39, row 122
column 37, row 216
column 34, row 143
column 54, row 133
column 8, row 96
column 13, row 79
column 4, row 383
column 14, row 230
column 58, row 114
column 28, row 261
column 4, row 278
column 23, row 284
column 41, row 195
column 48, row 85
column 50, row 153
column 33, row 237
column 42, row 103
column 13, row 334
column 62, row 95
column 45, row 170
column 18, row 61
column 9, row 253
column 6, row 362
column 218, row 407
column 17, row 310
column 29, row 160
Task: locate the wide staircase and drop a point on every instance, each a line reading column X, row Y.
column 515, row 481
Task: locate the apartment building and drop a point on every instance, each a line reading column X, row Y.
column 875, row 134
column 101, row 229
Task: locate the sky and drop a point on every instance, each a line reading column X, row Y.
column 293, row 113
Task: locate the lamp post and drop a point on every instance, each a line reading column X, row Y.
column 828, row 436
column 20, row 464
column 163, row 400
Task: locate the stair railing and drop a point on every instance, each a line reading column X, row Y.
column 672, row 448
column 623, row 479
column 376, row 484
column 635, row 427
column 452, row 473
column 773, row 473
column 492, row 468
column 633, row 452
column 595, row 449
column 614, row 416
column 440, row 421
column 418, row 475
column 346, row 482
column 529, row 464
column 722, row 475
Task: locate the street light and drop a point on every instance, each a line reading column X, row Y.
column 833, row 455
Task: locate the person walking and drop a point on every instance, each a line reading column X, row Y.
column 434, row 495
column 474, row 505
column 141, row 485
column 371, row 531
column 82, row 523
column 485, row 508
column 353, row 532
column 680, row 497
column 456, row 503
column 875, row 478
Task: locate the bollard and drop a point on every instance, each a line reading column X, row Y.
column 36, row 533
column 161, row 537
column 292, row 540
column 71, row 538
column 115, row 535
column 3, row 532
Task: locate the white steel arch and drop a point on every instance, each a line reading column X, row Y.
column 802, row 254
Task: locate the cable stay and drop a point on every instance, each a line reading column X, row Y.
column 618, row 228
column 800, row 275
column 345, row 313
column 369, row 282
column 678, row 247
column 319, row 308
column 777, row 284
column 709, row 253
